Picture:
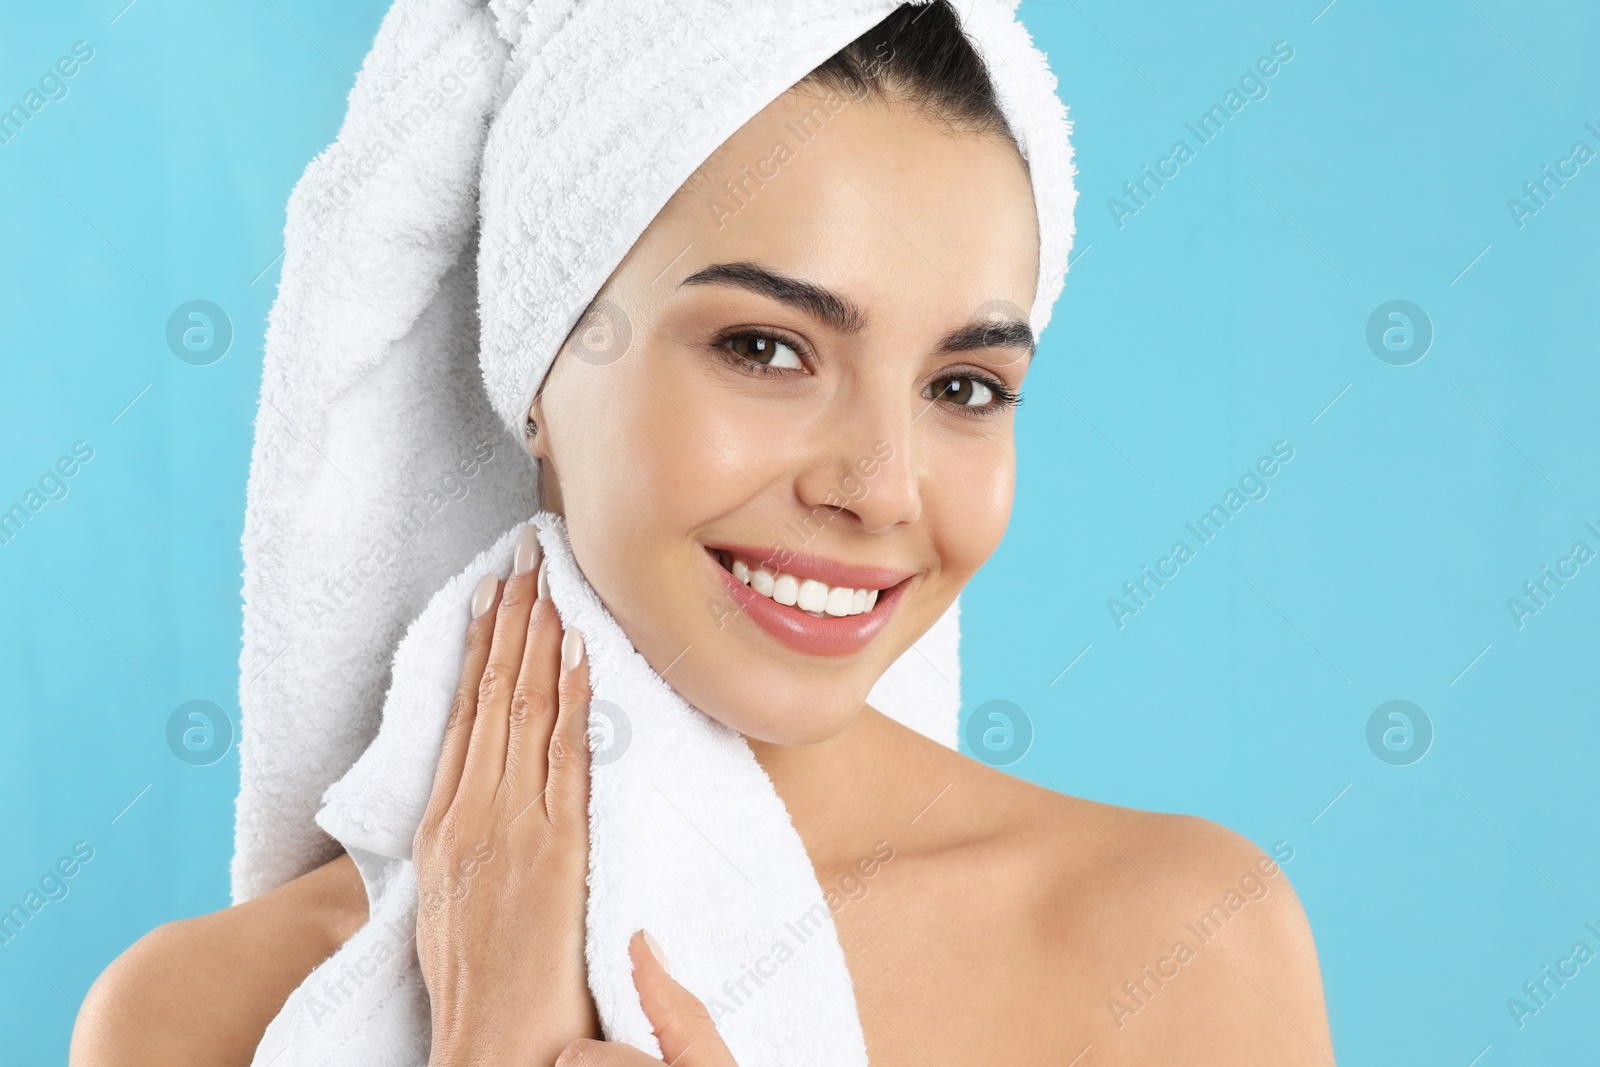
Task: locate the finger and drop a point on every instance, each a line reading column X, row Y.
column 533, row 710
column 463, row 706
column 567, row 795
column 486, row 752
column 588, row 1053
column 682, row 1025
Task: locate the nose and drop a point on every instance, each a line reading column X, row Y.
column 865, row 465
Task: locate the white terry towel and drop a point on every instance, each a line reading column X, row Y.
column 496, row 163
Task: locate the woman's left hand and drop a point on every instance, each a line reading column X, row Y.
column 682, row 1025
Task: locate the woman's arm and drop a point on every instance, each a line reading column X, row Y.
column 201, row 991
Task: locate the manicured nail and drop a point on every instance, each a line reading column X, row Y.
column 655, row 950
column 544, row 583
column 528, row 552
column 571, row 649
column 483, row 596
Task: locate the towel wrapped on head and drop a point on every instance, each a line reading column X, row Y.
column 497, row 162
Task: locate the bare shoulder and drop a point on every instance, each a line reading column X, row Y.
column 1151, row 937
column 1189, row 941
column 241, row 963
column 1193, row 937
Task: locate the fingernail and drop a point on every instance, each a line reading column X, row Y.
column 528, row 552
column 655, row 950
column 544, row 583
column 571, row 649
column 483, row 596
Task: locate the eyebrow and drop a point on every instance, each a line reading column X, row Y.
column 1007, row 333
column 844, row 315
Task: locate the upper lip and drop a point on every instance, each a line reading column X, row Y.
column 830, row 572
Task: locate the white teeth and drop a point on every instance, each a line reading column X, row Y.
column 809, row 595
column 761, row 581
column 813, row 595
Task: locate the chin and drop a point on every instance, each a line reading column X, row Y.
column 763, row 712
column 798, row 639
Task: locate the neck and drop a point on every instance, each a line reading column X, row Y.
column 837, row 791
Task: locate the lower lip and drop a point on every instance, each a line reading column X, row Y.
column 828, row 636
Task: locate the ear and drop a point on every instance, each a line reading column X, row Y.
column 535, row 438
column 538, row 446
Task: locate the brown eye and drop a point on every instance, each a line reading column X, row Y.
column 965, row 392
column 765, row 350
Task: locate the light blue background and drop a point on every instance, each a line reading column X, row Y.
column 1224, row 316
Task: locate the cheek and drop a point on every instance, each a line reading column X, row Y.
column 968, row 486
column 695, row 446
column 649, row 451
column 680, row 453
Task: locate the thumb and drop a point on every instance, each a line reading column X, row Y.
column 684, row 1028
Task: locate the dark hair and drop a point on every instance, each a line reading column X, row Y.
column 919, row 56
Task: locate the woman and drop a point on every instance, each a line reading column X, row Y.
column 842, row 314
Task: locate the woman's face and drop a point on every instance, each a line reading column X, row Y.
column 801, row 365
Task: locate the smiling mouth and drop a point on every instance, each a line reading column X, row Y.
column 817, row 599
column 794, row 605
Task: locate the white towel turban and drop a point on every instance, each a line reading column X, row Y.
column 496, row 163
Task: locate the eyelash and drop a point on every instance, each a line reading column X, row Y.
column 1004, row 398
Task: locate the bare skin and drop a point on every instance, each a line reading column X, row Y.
column 984, row 920
column 992, row 900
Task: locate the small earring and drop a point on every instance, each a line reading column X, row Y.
column 530, row 428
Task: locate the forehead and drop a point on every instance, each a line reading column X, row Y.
column 880, row 201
